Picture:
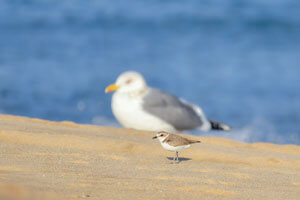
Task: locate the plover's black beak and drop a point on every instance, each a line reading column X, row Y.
column 154, row 137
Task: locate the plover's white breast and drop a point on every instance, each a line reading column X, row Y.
column 166, row 146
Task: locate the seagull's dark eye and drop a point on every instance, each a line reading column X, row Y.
column 128, row 81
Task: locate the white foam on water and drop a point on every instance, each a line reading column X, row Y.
column 259, row 130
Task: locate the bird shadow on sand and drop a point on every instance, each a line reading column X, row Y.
column 181, row 159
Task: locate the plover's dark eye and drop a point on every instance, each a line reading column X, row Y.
column 161, row 134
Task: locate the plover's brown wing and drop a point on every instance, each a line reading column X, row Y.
column 176, row 140
column 194, row 141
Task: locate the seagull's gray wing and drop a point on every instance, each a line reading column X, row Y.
column 170, row 109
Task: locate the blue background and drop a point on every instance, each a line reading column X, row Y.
column 239, row 60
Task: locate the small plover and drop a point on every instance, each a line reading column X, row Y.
column 173, row 142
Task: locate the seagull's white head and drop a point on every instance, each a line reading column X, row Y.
column 128, row 82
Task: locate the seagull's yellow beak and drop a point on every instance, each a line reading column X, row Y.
column 111, row 88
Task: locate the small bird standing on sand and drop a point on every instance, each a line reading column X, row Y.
column 173, row 142
column 135, row 105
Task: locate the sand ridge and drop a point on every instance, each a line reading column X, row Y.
column 65, row 160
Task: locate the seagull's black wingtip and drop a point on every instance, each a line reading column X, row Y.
column 219, row 126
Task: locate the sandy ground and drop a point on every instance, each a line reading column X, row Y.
column 48, row 160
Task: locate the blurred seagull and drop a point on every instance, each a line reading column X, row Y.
column 137, row 106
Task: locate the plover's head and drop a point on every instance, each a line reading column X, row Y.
column 128, row 82
column 161, row 135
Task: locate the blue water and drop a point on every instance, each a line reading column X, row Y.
column 239, row 60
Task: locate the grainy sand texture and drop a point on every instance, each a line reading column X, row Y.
column 49, row 160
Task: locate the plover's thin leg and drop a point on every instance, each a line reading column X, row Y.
column 174, row 159
column 177, row 156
